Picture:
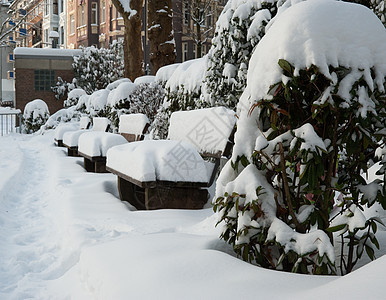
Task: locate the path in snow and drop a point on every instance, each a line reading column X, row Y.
column 27, row 224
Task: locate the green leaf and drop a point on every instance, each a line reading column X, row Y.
column 370, row 252
column 336, row 228
column 286, row 66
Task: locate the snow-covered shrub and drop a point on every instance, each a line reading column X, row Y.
column 61, row 116
column 182, row 92
column 130, row 98
column 73, row 97
column 311, row 118
column 81, row 106
column 163, row 74
column 239, row 28
column 35, row 114
column 96, row 105
column 116, row 83
column 95, row 68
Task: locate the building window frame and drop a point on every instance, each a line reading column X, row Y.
column 94, row 13
column 184, row 52
column 44, row 79
column 72, row 24
column 103, row 12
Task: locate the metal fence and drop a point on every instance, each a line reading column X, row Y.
column 10, row 121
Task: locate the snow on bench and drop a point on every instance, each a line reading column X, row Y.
column 93, row 145
column 62, row 128
column 175, row 173
column 71, row 138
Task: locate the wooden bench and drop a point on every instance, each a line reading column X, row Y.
column 93, row 146
column 71, row 139
column 84, row 123
column 175, row 173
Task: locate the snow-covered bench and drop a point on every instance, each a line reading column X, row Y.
column 175, row 173
column 71, row 138
column 93, row 145
column 84, row 123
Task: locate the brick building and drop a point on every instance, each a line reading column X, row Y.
column 37, row 70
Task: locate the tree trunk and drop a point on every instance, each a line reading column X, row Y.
column 132, row 47
column 161, row 39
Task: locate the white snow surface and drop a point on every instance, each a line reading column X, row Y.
column 188, row 74
column 96, row 143
column 207, row 129
column 132, row 123
column 66, row 235
column 354, row 38
column 163, row 74
column 97, row 101
column 121, row 92
column 153, row 160
column 76, row 93
column 127, row 8
column 116, row 83
column 20, row 51
column 64, row 127
column 144, row 79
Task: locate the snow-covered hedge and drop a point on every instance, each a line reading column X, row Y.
column 35, row 114
column 238, row 30
column 144, row 97
column 182, row 92
column 311, row 119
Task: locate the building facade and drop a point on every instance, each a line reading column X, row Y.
column 7, row 89
column 37, row 70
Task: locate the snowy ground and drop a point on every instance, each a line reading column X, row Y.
column 65, row 235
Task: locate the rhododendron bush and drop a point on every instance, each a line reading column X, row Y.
column 312, row 122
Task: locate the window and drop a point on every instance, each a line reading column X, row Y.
column 94, row 12
column 61, row 35
column 103, row 12
column 10, row 75
column 195, row 50
column 72, row 24
column 81, row 16
column 61, row 6
column 186, row 15
column 185, row 52
column 46, row 7
column 55, row 7
column 10, row 57
column 46, row 36
column 44, row 80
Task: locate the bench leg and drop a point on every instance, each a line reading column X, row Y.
column 175, row 198
column 100, row 166
column 131, row 193
column 72, row 151
column 88, row 165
